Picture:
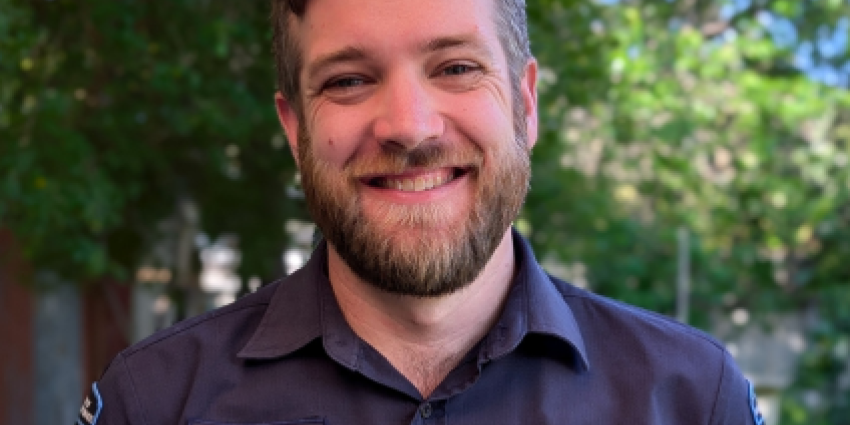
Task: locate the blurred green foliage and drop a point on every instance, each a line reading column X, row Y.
column 116, row 113
column 656, row 116
column 707, row 124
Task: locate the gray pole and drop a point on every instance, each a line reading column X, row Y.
column 683, row 278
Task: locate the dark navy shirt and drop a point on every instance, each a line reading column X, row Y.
column 558, row 355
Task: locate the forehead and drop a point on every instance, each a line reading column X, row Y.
column 392, row 25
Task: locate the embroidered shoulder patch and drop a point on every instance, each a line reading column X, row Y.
column 754, row 406
column 90, row 410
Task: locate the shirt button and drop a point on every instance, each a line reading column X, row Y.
column 425, row 410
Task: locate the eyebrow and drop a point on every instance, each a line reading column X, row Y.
column 454, row 42
column 355, row 53
column 347, row 54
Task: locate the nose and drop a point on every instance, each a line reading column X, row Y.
column 407, row 115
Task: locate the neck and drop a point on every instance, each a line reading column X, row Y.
column 424, row 338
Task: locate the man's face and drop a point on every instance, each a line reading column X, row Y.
column 410, row 157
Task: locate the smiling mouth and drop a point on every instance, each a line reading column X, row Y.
column 417, row 182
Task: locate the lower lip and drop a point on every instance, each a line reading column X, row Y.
column 422, row 197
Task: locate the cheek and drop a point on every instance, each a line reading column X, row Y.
column 482, row 120
column 337, row 135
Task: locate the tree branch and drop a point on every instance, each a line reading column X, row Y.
column 716, row 28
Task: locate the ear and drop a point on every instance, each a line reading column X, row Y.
column 289, row 121
column 528, row 86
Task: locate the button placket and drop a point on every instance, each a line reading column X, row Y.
column 425, row 410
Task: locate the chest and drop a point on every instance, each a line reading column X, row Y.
column 511, row 390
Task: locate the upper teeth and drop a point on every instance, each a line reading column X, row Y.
column 416, row 184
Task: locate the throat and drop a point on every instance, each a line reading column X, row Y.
column 425, row 369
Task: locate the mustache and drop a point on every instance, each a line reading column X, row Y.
column 396, row 161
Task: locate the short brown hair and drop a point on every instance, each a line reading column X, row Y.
column 510, row 20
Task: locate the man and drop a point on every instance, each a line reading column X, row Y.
column 412, row 122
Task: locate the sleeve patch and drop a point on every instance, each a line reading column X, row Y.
column 754, row 407
column 90, row 410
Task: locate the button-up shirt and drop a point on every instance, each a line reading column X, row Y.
column 557, row 355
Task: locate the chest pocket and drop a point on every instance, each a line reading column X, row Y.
column 305, row 421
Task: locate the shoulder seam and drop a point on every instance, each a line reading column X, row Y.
column 651, row 315
column 719, row 386
column 189, row 324
column 133, row 386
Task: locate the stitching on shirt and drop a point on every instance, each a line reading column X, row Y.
column 503, row 348
column 649, row 315
column 543, row 272
column 191, row 323
column 527, row 306
column 133, row 387
column 719, row 386
column 323, row 304
column 323, row 323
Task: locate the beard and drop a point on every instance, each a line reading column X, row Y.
column 411, row 249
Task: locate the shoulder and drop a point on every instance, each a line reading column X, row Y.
column 164, row 368
column 597, row 314
column 659, row 360
column 212, row 328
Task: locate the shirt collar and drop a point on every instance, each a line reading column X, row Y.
column 534, row 306
column 294, row 315
column 303, row 309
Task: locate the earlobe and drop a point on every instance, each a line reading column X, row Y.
column 529, row 96
column 289, row 122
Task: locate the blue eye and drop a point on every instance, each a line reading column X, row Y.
column 345, row 82
column 457, row 69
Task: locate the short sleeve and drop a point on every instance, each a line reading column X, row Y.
column 735, row 402
column 116, row 394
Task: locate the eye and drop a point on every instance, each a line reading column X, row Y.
column 349, row 88
column 458, row 69
column 344, row 83
column 459, row 76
